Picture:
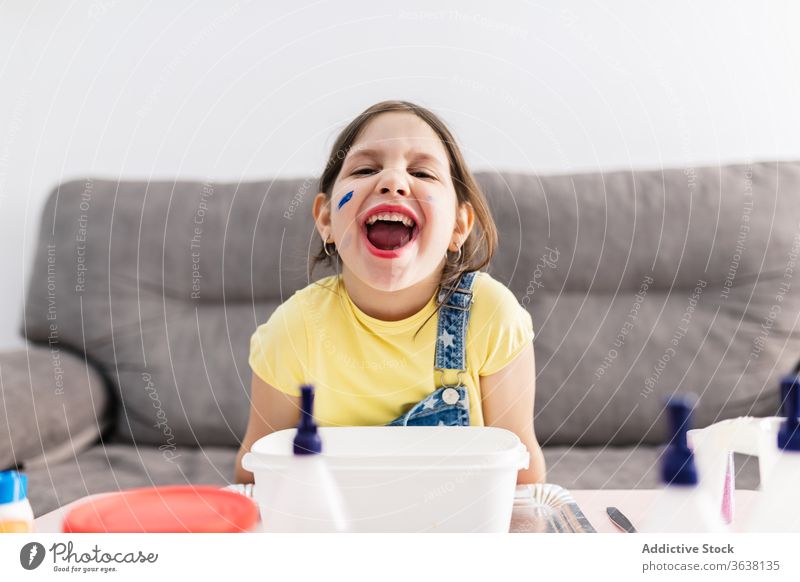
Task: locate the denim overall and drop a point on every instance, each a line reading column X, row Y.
column 448, row 405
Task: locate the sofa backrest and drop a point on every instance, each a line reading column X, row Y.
column 639, row 284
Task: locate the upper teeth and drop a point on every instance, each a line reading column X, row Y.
column 391, row 216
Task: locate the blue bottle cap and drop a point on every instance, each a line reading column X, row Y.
column 307, row 441
column 13, row 486
column 789, row 433
column 677, row 466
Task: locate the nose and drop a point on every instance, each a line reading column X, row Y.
column 392, row 181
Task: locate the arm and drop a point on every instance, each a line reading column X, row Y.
column 507, row 400
column 270, row 410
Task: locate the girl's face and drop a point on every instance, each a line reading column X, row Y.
column 393, row 211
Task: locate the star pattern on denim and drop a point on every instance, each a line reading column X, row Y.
column 447, row 339
column 430, row 403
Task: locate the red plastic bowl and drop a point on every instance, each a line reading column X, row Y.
column 170, row 509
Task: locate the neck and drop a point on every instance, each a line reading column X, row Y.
column 390, row 305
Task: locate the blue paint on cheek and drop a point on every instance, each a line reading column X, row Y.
column 345, row 199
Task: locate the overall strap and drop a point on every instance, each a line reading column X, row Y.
column 451, row 335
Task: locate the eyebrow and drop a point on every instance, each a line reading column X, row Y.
column 413, row 154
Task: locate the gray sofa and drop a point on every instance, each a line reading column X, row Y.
column 142, row 297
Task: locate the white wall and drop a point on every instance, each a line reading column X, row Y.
column 228, row 90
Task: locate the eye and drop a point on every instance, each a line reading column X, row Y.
column 362, row 170
column 421, row 174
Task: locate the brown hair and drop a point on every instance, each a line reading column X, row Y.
column 478, row 249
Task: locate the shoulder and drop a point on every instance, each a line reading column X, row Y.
column 488, row 285
column 291, row 314
column 494, row 301
column 317, row 293
column 279, row 348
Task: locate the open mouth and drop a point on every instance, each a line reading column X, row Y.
column 389, row 231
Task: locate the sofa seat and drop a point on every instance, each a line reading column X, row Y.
column 113, row 467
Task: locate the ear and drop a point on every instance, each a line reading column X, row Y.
column 322, row 216
column 465, row 218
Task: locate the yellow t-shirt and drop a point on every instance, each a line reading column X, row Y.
column 367, row 371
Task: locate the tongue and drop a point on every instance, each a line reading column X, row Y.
column 388, row 235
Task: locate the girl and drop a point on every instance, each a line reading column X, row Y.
column 409, row 332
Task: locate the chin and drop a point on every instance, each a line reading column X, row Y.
column 391, row 275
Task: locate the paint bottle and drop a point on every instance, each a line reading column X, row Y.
column 16, row 514
column 681, row 506
column 775, row 509
column 307, row 499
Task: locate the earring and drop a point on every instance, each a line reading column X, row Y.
column 325, row 248
column 458, row 259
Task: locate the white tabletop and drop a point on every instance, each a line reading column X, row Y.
column 634, row 503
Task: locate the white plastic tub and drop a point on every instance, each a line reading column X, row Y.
column 409, row 479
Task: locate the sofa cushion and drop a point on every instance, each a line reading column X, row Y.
column 163, row 283
column 646, row 283
column 52, row 405
column 624, row 468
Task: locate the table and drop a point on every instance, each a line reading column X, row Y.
column 634, row 503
